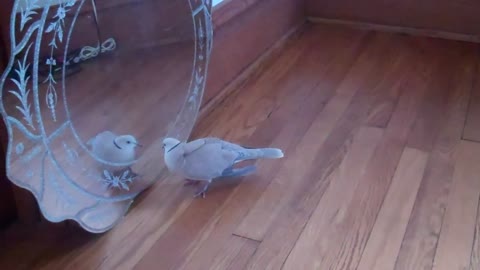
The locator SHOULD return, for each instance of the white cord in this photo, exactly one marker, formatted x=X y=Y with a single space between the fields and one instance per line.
x=88 y=52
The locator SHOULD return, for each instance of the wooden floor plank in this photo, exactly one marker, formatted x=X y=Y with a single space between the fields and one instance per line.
x=454 y=247
x=381 y=112
x=344 y=241
x=257 y=222
x=419 y=245
x=236 y=255
x=331 y=207
x=431 y=117
x=386 y=237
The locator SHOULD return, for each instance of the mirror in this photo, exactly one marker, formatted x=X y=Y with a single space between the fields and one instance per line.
x=90 y=91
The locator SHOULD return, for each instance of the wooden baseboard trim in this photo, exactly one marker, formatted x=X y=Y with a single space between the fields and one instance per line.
x=398 y=29
x=244 y=75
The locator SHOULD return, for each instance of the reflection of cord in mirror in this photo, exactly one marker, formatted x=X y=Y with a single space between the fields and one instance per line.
x=88 y=52
x=77 y=56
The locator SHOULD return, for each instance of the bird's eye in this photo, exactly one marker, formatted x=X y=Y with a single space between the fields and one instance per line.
x=128 y=142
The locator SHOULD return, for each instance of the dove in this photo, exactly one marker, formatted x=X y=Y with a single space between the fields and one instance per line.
x=208 y=159
x=109 y=147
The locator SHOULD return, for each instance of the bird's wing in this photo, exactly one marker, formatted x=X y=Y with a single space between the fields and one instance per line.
x=193 y=146
x=102 y=145
x=102 y=138
x=208 y=161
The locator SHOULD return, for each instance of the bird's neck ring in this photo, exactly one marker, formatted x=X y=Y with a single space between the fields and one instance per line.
x=174 y=147
x=116 y=145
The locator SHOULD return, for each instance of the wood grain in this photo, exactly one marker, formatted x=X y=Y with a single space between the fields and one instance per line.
x=457 y=16
x=347 y=238
x=431 y=118
x=419 y=245
x=299 y=200
x=387 y=234
x=257 y=222
x=240 y=250
x=314 y=239
x=454 y=247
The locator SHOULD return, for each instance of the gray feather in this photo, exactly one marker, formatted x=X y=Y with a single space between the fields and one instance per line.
x=270 y=153
x=231 y=172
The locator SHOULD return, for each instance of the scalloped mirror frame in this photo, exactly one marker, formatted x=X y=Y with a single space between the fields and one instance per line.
x=59 y=197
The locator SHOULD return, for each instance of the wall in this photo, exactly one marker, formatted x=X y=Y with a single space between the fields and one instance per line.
x=456 y=16
x=244 y=30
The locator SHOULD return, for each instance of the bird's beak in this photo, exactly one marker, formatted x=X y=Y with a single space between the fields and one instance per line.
x=139 y=145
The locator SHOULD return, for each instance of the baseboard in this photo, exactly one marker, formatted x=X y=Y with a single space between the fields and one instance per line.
x=258 y=65
x=398 y=29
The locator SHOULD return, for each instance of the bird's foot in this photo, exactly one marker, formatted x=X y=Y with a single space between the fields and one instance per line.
x=189 y=182
x=202 y=192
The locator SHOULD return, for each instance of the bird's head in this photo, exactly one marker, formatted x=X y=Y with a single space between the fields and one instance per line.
x=126 y=142
x=169 y=144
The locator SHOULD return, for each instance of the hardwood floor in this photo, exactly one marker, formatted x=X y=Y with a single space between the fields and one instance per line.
x=381 y=139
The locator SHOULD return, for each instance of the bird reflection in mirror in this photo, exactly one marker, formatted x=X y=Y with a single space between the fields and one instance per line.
x=117 y=149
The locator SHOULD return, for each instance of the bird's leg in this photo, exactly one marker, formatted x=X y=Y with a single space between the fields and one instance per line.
x=189 y=182
x=203 y=191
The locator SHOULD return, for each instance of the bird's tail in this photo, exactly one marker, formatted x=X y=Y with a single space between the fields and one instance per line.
x=231 y=172
x=271 y=153
x=252 y=153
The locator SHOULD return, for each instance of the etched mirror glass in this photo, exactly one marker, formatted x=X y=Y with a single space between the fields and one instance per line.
x=90 y=90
